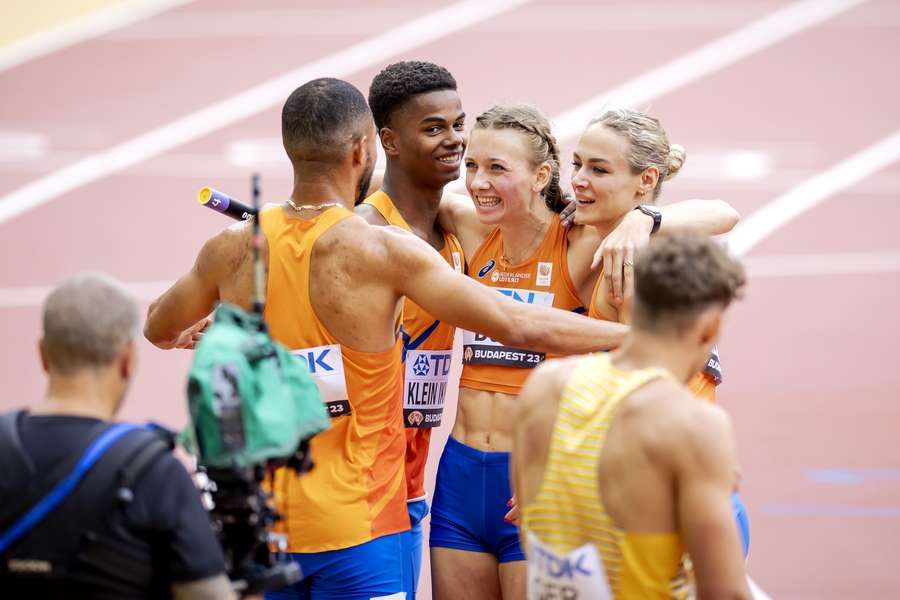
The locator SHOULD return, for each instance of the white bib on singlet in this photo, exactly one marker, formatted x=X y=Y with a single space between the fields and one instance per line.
x=326 y=365
x=578 y=575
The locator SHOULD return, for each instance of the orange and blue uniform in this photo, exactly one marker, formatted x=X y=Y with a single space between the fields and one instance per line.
x=356 y=494
x=427 y=349
x=541 y=279
x=473 y=487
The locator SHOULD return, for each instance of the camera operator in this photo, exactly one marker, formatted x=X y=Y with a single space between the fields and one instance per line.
x=121 y=530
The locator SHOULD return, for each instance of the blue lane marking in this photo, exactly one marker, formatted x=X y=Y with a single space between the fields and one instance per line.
x=852 y=476
x=819 y=510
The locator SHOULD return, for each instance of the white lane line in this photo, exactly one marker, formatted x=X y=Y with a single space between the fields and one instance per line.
x=758 y=593
x=800 y=265
x=81 y=29
x=24 y=297
x=706 y=59
x=375 y=50
x=812 y=192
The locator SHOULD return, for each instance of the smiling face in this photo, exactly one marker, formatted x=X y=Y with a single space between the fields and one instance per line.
x=605 y=186
x=427 y=138
x=500 y=176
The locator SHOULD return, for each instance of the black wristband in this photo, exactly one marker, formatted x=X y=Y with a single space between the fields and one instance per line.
x=651 y=211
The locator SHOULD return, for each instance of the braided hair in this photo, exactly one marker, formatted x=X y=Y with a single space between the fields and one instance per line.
x=544 y=148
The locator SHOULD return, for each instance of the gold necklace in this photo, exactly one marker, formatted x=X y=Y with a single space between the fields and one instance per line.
x=505 y=257
x=296 y=206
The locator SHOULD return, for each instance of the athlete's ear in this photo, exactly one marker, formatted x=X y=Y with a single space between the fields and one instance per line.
x=649 y=178
x=389 y=141
x=359 y=150
x=43 y=354
x=708 y=325
x=542 y=177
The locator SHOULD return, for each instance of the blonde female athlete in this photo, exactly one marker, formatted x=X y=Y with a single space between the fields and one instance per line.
x=620 y=164
x=513 y=241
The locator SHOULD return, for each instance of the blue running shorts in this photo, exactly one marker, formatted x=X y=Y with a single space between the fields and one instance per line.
x=470 y=498
x=412 y=545
x=375 y=569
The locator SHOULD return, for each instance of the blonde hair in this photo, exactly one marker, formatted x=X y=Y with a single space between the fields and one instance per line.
x=544 y=148
x=649 y=144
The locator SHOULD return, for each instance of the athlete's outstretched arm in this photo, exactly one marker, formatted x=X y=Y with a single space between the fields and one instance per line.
x=416 y=270
x=710 y=217
x=705 y=478
x=182 y=308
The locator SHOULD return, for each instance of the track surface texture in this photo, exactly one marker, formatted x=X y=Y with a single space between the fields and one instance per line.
x=810 y=356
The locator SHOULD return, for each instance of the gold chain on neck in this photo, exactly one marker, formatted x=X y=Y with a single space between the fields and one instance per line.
x=296 y=206
x=505 y=257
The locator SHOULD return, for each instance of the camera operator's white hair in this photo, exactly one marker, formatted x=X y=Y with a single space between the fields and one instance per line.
x=89 y=319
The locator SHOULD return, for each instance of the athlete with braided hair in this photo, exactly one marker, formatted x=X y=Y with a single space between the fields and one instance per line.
x=514 y=241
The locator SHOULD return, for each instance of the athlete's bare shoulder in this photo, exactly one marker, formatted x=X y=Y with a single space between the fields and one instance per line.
x=370 y=214
x=544 y=387
x=366 y=252
x=676 y=427
x=224 y=254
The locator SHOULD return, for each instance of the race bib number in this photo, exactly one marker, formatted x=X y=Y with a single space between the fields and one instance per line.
x=479 y=349
x=425 y=387
x=713 y=367
x=326 y=365
x=578 y=575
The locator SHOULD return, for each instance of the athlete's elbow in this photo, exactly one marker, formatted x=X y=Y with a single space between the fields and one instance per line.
x=730 y=217
x=152 y=333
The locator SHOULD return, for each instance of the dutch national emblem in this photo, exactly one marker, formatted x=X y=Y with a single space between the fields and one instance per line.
x=544 y=273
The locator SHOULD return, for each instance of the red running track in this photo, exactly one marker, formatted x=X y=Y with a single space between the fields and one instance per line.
x=810 y=359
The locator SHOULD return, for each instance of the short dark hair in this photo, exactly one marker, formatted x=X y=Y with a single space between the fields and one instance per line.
x=678 y=276
x=321 y=118
x=400 y=82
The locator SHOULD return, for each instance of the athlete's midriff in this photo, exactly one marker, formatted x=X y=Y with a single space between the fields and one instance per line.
x=484 y=420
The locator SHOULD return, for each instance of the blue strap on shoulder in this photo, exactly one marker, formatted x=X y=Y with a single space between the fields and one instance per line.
x=65 y=487
x=413 y=344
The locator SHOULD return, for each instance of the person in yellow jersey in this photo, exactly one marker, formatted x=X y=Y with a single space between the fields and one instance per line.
x=420 y=124
x=335 y=289
x=620 y=164
x=617 y=466
x=516 y=244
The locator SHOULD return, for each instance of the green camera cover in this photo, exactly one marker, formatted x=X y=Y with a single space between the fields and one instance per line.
x=250 y=400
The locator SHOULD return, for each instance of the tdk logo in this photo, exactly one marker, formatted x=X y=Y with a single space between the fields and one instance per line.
x=560 y=568
x=420 y=367
x=487 y=268
x=315 y=360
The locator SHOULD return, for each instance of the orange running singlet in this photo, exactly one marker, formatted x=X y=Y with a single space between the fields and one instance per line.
x=356 y=490
x=427 y=348
x=541 y=279
x=702 y=384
